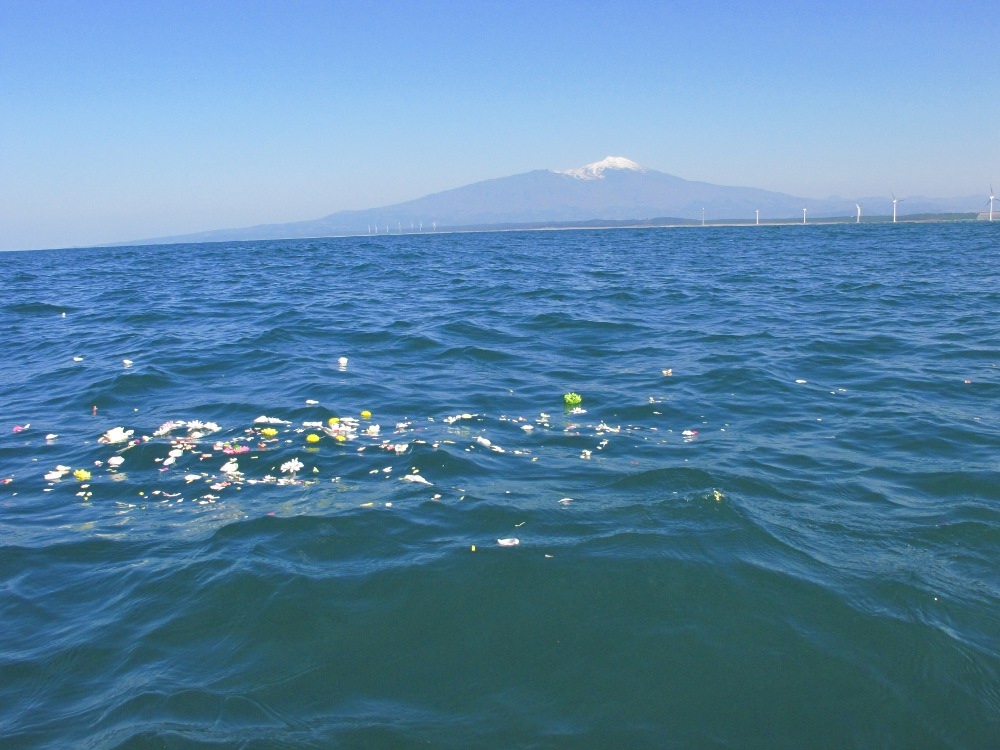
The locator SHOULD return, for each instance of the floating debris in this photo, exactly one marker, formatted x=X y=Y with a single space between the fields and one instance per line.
x=416 y=478
x=115 y=435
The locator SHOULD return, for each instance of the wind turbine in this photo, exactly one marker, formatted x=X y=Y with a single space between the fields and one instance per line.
x=991 y=202
x=895 y=200
x=758 y=215
x=703 y=217
x=858 y=206
x=803 y=216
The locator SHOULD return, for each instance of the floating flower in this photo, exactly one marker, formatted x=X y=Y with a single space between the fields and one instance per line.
x=572 y=399
x=115 y=461
x=290 y=467
x=165 y=428
x=115 y=435
x=416 y=478
x=366 y=414
x=268 y=432
x=230 y=467
x=312 y=438
x=82 y=474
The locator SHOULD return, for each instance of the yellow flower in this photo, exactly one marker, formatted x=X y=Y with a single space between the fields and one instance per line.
x=268 y=432
x=366 y=414
x=82 y=474
x=310 y=438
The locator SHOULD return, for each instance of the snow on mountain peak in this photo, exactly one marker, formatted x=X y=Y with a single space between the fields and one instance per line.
x=596 y=170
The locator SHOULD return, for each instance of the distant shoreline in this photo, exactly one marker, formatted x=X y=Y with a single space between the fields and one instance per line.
x=595 y=224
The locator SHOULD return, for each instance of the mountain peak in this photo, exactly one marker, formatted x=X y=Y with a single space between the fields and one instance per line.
x=596 y=170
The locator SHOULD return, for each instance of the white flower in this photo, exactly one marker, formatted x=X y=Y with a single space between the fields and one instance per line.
x=416 y=478
x=290 y=467
x=166 y=427
x=115 y=435
x=115 y=461
x=230 y=467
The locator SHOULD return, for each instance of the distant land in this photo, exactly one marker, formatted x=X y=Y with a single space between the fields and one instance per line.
x=612 y=192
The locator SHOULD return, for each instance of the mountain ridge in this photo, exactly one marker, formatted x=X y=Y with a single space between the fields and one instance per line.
x=614 y=189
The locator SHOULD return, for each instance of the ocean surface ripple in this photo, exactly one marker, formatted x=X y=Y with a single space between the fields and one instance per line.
x=772 y=522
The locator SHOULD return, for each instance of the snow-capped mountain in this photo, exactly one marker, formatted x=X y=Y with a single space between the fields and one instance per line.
x=595 y=171
x=615 y=189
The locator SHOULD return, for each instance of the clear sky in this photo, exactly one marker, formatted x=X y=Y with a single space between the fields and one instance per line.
x=124 y=120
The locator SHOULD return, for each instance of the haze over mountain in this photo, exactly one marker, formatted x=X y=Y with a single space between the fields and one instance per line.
x=614 y=189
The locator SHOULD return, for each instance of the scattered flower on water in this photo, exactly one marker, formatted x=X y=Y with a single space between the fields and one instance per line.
x=115 y=435
x=290 y=467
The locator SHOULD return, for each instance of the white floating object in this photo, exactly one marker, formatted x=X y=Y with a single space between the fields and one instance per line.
x=566 y=501
x=51 y=436
x=527 y=427
x=801 y=382
x=290 y=467
x=230 y=467
x=483 y=441
x=342 y=361
x=191 y=477
x=416 y=478
x=269 y=420
x=510 y=541
x=116 y=461
x=127 y=362
x=78 y=359
x=311 y=402
x=115 y=435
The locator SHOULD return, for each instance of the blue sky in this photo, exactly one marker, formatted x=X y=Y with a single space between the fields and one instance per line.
x=123 y=120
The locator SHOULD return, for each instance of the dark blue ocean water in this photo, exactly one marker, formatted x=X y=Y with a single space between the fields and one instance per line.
x=790 y=541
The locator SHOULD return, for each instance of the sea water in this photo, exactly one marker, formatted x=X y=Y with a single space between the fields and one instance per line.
x=328 y=493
